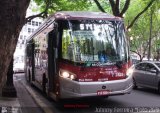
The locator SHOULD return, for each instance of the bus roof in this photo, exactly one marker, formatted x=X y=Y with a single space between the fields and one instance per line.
x=73 y=15
x=83 y=15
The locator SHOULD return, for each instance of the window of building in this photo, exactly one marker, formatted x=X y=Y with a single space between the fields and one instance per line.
x=33 y=23
x=22 y=41
x=40 y=23
x=29 y=30
x=36 y=23
x=29 y=23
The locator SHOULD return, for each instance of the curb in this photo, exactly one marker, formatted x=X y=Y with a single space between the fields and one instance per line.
x=37 y=99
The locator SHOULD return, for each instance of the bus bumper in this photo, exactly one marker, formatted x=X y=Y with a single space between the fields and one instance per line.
x=74 y=89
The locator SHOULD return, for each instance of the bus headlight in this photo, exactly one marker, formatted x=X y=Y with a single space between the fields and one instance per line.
x=66 y=74
x=129 y=72
x=72 y=77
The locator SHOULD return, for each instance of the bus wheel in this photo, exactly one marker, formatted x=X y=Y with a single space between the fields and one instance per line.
x=134 y=84
x=44 y=82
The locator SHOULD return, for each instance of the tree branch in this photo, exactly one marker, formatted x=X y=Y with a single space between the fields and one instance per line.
x=126 y=6
x=112 y=6
x=135 y=52
x=28 y=19
x=99 y=6
x=133 y=21
x=43 y=14
x=117 y=8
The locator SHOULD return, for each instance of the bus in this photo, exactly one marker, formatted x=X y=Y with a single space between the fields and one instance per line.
x=79 y=54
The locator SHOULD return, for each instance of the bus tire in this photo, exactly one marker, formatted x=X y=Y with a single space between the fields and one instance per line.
x=44 y=82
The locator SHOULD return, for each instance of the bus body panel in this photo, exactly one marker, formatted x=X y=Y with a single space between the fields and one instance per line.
x=74 y=89
x=91 y=81
x=103 y=73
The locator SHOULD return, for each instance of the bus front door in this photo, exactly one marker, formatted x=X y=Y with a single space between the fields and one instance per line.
x=52 y=54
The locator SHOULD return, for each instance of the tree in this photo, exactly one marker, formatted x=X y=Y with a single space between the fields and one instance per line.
x=141 y=29
x=12 y=19
x=137 y=16
x=117 y=11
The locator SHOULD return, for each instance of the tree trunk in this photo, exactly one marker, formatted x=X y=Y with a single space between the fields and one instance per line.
x=150 y=35
x=9 y=90
x=12 y=19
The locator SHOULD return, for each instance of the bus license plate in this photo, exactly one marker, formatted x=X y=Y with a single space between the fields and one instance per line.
x=103 y=92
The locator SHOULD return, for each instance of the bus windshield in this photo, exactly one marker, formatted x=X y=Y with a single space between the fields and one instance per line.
x=94 y=42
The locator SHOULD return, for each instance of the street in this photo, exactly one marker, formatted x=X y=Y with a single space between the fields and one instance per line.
x=140 y=100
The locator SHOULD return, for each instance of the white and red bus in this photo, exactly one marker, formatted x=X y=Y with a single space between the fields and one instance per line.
x=79 y=54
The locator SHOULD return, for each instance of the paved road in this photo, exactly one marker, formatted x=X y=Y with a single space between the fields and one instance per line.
x=28 y=105
x=141 y=100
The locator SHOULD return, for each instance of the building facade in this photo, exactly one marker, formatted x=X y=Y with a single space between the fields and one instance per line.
x=26 y=31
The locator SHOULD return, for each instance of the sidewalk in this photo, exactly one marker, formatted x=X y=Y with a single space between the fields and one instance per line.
x=23 y=103
x=27 y=100
x=9 y=105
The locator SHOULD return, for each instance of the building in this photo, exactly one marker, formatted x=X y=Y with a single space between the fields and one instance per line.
x=26 y=31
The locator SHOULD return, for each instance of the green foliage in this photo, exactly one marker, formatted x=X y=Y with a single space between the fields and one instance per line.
x=141 y=28
x=104 y=3
x=63 y=5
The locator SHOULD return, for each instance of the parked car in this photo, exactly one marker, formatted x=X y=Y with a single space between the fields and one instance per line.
x=147 y=74
x=18 y=67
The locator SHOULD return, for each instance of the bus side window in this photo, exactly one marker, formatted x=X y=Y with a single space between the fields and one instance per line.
x=29 y=49
x=29 y=54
